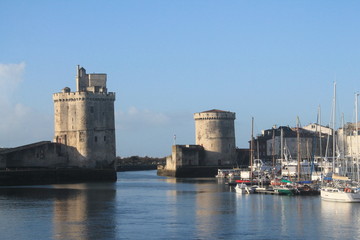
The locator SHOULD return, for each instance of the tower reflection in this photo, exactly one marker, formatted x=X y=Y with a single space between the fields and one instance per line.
x=84 y=211
x=210 y=207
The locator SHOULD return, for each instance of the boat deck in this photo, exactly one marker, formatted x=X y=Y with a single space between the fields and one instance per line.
x=272 y=192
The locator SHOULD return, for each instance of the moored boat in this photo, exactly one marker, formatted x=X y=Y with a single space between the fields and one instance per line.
x=286 y=190
x=242 y=188
x=337 y=194
x=228 y=173
x=340 y=188
x=308 y=190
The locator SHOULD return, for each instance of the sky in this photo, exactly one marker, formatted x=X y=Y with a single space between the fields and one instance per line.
x=166 y=60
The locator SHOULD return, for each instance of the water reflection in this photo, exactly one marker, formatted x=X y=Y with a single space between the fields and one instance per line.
x=277 y=217
x=215 y=212
x=209 y=206
x=86 y=213
x=342 y=217
x=142 y=205
x=212 y=211
x=72 y=211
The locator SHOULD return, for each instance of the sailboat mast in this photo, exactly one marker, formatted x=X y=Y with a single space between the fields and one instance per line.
x=282 y=145
x=333 y=126
x=320 y=147
x=252 y=147
x=320 y=142
x=357 y=136
x=343 y=135
x=273 y=147
x=298 y=149
x=342 y=153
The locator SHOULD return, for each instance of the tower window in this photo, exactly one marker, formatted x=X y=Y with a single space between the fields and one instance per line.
x=95 y=138
x=104 y=138
x=92 y=109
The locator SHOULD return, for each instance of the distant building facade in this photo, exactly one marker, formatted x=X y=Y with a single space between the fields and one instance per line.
x=317 y=128
x=349 y=140
x=267 y=146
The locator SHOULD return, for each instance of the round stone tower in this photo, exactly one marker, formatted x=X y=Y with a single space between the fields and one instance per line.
x=84 y=122
x=215 y=131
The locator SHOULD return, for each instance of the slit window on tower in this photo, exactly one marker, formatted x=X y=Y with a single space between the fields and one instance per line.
x=92 y=109
x=104 y=138
x=95 y=138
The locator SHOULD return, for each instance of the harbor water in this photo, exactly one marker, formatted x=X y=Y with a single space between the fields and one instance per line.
x=142 y=205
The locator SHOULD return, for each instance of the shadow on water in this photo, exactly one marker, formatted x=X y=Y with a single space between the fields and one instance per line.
x=68 y=211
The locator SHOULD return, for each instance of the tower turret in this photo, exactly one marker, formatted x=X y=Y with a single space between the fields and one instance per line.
x=215 y=132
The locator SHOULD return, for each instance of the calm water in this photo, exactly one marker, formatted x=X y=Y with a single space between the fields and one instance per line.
x=141 y=205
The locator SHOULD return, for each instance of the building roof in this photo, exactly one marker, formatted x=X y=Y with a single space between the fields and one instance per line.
x=215 y=110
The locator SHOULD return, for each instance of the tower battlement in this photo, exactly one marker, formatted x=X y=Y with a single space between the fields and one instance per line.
x=83 y=96
x=214 y=114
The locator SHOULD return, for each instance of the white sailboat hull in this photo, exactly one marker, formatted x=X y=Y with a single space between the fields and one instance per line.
x=336 y=195
x=242 y=189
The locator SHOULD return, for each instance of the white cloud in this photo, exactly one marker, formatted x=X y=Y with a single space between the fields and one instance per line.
x=11 y=75
x=20 y=124
x=10 y=78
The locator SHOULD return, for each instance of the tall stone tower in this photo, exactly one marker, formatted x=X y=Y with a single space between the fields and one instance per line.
x=215 y=132
x=84 y=121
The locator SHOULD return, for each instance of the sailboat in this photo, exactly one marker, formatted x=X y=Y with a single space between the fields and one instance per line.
x=339 y=188
x=241 y=187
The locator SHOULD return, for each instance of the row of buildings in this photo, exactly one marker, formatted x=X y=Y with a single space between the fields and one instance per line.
x=311 y=141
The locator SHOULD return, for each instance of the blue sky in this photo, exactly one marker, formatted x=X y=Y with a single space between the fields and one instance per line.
x=166 y=60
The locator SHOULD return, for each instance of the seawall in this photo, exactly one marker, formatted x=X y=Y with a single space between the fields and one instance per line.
x=124 y=168
x=190 y=172
x=55 y=176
